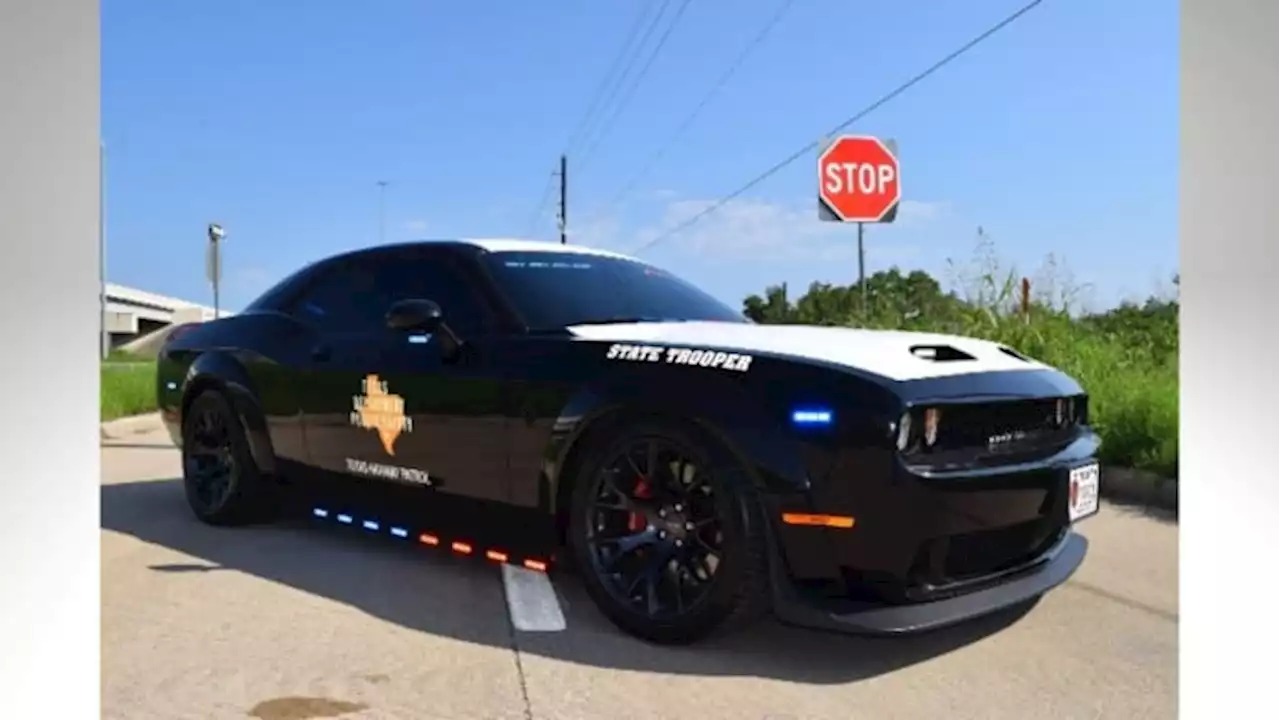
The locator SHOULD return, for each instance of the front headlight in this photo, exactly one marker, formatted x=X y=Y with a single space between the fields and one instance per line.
x=904 y=431
x=932 y=417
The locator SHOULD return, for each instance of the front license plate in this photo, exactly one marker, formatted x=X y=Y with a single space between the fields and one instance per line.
x=1082 y=492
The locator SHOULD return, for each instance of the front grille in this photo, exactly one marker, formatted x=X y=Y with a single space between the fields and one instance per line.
x=995 y=433
x=979 y=426
x=952 y=565
x=991 y=551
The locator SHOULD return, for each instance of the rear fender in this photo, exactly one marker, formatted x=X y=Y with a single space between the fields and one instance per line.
x=223 y=371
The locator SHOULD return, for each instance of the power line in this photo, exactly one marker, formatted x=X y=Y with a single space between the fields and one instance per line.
x=613 y=68
x=635 y=84
x=537 y=213
x=837 y=129
x=633 y=54
x=624 y=58
x=702 y=105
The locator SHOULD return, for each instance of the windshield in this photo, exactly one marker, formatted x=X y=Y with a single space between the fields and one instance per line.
x=555 y=290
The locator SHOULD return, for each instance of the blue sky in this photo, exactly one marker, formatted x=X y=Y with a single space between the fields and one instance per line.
x=1056 y=136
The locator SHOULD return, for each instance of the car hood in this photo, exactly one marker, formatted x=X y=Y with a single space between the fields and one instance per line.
x=885 y=353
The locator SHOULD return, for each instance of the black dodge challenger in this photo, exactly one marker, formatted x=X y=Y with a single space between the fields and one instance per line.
x=536 y=403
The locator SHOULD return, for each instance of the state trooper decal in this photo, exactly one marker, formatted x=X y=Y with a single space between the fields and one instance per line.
x=679 y=356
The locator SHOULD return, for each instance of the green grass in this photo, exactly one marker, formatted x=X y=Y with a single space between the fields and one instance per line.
x=128 y=389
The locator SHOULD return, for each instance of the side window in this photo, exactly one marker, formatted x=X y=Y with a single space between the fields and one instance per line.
x=354 y=297
x=439 y=280
x=347 y=298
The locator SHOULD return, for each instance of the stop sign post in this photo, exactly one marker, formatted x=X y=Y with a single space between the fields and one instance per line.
x=859 y=182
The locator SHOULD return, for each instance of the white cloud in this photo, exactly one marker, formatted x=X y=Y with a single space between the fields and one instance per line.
x=914 y=213
x=600 y=231
x=779 y=231
x=415 y=226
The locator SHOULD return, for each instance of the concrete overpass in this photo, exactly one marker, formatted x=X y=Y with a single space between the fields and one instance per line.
x=131 y=314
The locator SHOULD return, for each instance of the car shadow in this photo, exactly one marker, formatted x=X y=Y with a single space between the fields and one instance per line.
x=388 y=579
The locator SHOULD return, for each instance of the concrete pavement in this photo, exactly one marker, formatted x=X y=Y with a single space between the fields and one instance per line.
x=297 y=621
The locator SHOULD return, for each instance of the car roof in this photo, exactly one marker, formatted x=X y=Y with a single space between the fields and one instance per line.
x=492 y=245
x=496 y=245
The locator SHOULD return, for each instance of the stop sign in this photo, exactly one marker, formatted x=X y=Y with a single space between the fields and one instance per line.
x=858 y=179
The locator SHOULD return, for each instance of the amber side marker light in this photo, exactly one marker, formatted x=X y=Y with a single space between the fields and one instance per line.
x=536 y=565
x=461 y=547
x=832 y=521
x=428 y=539
x=496 y=556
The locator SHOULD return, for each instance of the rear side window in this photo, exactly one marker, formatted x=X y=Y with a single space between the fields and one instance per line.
x=354 y=297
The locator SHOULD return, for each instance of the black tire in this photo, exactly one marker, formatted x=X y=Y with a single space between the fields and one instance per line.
x=223 y=484
x=722 y=598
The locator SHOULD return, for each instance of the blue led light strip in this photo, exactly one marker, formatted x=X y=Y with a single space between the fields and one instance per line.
x=811 y=417
x=400 y=532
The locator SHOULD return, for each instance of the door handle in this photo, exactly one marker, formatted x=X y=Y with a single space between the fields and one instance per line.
x=320 y=353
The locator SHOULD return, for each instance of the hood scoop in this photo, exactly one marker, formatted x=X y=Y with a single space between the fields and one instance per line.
x=940 y=353
x=1014 y=354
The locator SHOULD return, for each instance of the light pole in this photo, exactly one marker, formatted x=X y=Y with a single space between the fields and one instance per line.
x=382 y=212
x=214 y=263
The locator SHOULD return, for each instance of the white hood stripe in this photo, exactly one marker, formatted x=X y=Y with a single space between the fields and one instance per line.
x=885 y=353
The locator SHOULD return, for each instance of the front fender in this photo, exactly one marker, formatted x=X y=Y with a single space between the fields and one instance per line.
x=746 y=426
x=224 y=371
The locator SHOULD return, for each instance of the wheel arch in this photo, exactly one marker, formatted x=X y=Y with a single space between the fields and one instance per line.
x=223 y=372
x=722 y=411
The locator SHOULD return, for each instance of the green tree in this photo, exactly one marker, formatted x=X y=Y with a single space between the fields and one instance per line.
x=892 y=298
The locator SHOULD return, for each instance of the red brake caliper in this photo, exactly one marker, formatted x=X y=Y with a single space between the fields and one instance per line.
x=636 y=521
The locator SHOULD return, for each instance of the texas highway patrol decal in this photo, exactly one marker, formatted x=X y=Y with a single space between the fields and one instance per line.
x=377 y=409
x=412 y=476
x=679 y=356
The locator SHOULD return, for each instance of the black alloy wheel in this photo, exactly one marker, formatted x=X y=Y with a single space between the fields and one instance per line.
x=222 y=483
x=209 y=464
x=653 y=531
x=660 y=530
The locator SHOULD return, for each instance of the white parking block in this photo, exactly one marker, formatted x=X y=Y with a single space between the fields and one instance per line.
x=531 y=600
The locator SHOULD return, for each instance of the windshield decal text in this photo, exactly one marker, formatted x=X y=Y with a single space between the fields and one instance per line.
x=679 y=356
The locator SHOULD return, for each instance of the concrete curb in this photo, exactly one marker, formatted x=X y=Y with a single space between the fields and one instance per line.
x=133 y=425
x=1140 y=487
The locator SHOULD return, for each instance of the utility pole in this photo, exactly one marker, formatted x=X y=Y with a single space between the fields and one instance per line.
x=862 y=272
x=382 y=211
x=564 y=188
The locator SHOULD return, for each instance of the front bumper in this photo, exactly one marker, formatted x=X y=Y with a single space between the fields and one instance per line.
x=1048 y=571
x=926 y=551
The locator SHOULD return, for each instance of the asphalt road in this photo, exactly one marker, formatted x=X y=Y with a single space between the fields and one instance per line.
x=296 y=621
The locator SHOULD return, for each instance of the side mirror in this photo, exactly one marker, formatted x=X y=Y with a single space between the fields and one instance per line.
x=422 y=315
x=425 y=316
